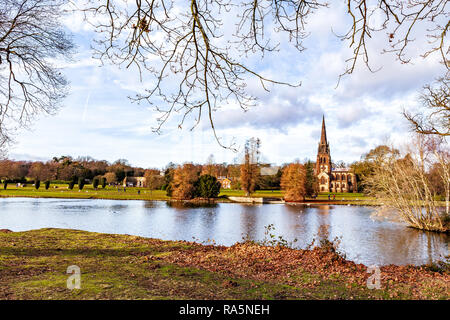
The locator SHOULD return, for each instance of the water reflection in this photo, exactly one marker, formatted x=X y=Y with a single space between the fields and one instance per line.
x=363 y=239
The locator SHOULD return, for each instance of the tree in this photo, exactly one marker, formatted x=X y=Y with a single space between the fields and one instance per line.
x=202 y=55
x=95 y=183
x=80 y=183
x=103 y=182
x=249 y=169
x=153 y=180
x=168 y=178
x=110 y=177
x=207 y=186
x=435 y=115
x=401 y=182
x=5 y=184
x=293 y=182
x=47 y=184
x=31 y=37
x=183 y=184
x=366 y=166
x=71 y=185
x=37 y=183
x=210 y=167
x=311 y=183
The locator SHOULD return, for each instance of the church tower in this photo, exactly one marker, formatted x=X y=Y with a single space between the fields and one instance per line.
x=323 y=163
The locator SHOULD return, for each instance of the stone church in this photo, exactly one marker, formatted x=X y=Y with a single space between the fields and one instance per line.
x=332 y=179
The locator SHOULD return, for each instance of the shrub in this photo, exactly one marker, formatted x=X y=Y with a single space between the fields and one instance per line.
x=80 y=183
x=37 y=183
x=71 y=184
x=95 y=183
x=5 y=184
x=103 y=183
x=47 y=184
x=207 y=186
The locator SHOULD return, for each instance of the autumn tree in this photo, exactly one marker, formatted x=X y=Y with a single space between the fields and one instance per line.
x=110 y=177
x=249 y=167
x=366 y=166
x=184 y=179
x=153 y=179
x=31 y=38
x=210 y=167
x=293 y=182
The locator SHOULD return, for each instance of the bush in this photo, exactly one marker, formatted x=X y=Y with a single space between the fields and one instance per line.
x=207 y=186
x=95 y=183
x=103 y=183
x=47 y=184
x=71 y=184
x=37 y=183
x=5 y=184
x=80 y=183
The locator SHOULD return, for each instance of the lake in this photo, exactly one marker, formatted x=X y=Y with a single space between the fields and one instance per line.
x=363 y=238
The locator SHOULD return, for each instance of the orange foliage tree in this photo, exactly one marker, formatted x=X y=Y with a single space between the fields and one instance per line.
x=293 y=182
x=183 y=184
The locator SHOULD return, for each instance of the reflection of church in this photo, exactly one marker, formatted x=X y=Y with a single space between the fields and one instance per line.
x=332 y=179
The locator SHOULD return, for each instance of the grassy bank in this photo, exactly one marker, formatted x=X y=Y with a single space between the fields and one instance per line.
x=88 y=192
x=33 y=265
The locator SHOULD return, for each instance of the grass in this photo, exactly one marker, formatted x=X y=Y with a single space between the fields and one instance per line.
x=33 y=265
x=131 y=193
x=88 y=192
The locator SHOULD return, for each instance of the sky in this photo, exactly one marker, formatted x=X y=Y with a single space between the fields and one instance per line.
x=97 y=118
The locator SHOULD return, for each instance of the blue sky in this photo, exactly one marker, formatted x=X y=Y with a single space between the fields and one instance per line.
x=98 y=119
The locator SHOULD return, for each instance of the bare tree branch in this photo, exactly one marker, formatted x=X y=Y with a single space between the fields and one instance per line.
x=31 y=38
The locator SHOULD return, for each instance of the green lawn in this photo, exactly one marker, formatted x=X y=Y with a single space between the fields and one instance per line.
x=88 y=192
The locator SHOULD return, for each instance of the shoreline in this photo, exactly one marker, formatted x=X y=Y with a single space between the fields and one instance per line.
x=33 y=266
x=193 y=201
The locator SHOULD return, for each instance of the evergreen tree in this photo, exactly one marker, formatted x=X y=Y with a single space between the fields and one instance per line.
x=5 y=184
x=80 y=183
x=95 y=183
x=311 y=183
x=207 y=186
x=47 y=184
x=37 y=183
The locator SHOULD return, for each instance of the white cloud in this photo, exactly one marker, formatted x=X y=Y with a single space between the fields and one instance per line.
x=360 y=112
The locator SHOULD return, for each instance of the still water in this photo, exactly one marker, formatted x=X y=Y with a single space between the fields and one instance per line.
x=362 y=238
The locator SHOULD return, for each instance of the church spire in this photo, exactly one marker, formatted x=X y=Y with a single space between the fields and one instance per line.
x=323 y=137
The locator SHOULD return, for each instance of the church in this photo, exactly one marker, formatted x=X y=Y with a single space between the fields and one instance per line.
x=332 y=179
